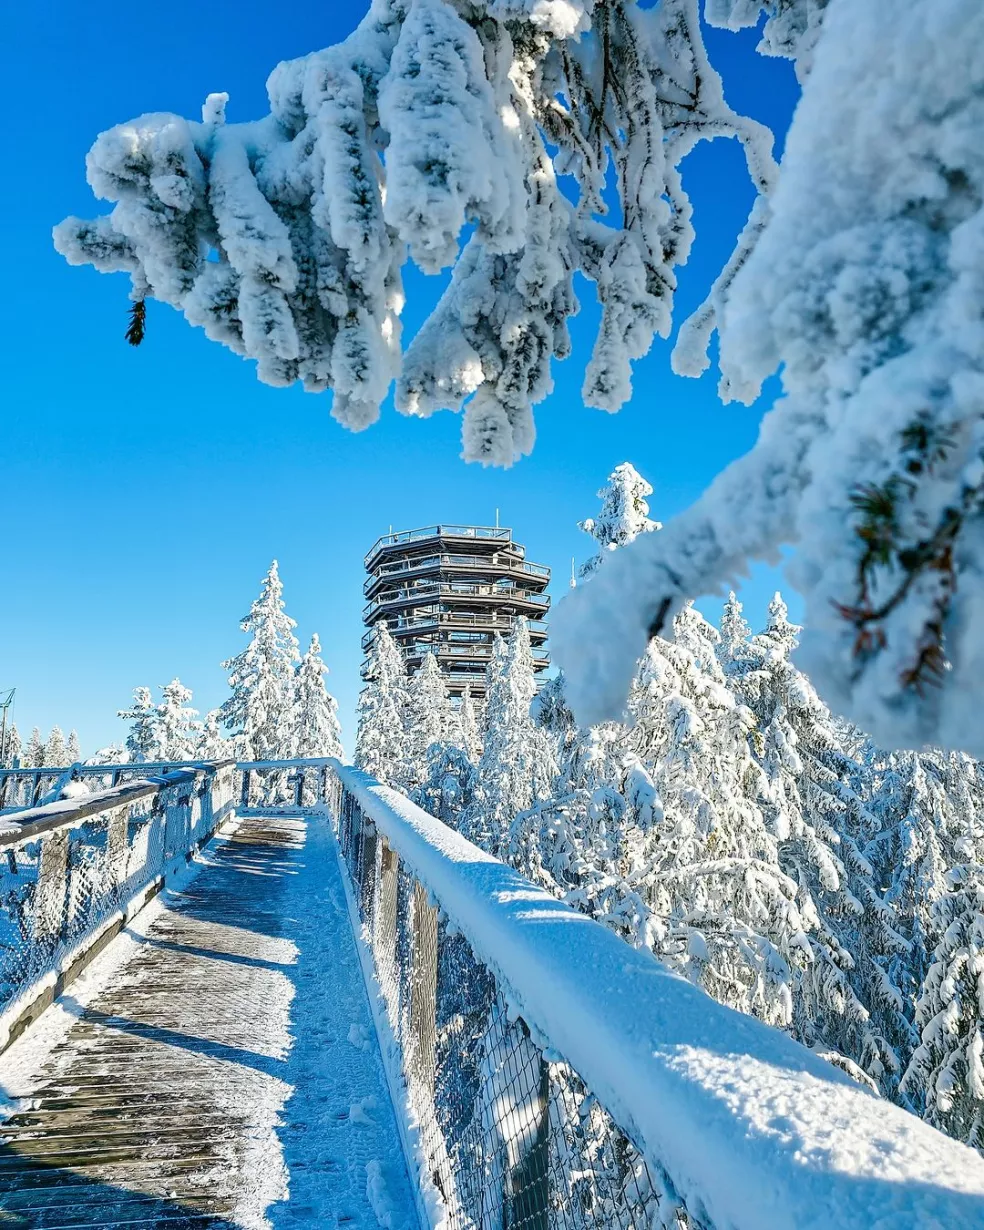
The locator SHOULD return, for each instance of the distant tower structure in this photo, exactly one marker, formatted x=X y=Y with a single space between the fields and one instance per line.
x=447 y=590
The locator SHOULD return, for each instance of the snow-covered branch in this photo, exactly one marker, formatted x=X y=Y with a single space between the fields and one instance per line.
x=865 y=286
x=545 y=136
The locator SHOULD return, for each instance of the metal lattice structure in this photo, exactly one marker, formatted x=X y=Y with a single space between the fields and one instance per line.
x=511 y=1136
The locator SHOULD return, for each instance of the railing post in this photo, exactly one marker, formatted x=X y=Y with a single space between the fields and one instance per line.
x=384 y=935
x=297 y=779
x=367 y=870
x=244 y=795
x=116 y=844
x=423 y=990
x=52 y=888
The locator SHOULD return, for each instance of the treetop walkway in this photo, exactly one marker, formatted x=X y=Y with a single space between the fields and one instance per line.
x=280 y=994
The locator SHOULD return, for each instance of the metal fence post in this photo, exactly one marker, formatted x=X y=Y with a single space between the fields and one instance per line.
x=367 y=870
x=116 y=844
x=52 y=888
x=384 y=937
x=423 y=990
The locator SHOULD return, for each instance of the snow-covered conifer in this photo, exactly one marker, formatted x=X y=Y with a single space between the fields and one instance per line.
x=847 y=1000
x=733 y=650
x=214 y=745
x=260 y=712
x=518 y=764
x=34 y=750
x=178 y=731
x=430 y=720
x=448 y=787
x=382 y=710
x=143 y=742
x=624 y=514
x=12 y=750
x=471 y=739
x=316 y=732
x=55 y=751
x=946 y=1075
x=73 y=751
x=721 y=908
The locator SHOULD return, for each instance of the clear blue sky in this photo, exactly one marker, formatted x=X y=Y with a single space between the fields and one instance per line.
x=146 y=491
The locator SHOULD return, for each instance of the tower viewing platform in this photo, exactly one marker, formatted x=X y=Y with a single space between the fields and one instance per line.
x=447 y=590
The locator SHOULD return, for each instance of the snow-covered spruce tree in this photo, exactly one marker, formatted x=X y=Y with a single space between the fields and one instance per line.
x=55 y=749
x=316 y=729
x=431 y=721
x=624 y=514
x=214 y=745
x=382 y=711
x=13 y=748
x=847 y=1003
x=179 y=732
x=946 y=1075
x=722 y=909
x=284 y=238
x=260 y=712
x=518 y=764
x=916 y=838
x=73 y=751
x=143 y=741
x=468 y=718
x=34 y=750
x=448 y=789
x=733 y=650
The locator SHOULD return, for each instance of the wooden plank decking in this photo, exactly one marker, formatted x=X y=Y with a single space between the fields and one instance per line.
x=227 y=1063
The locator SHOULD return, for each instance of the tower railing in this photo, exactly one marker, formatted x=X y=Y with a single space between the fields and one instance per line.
x=557 y=1079
x=438 y=531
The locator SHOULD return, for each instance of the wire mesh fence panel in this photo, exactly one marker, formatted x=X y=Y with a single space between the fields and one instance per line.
x=509 y=1137
x=59 y=887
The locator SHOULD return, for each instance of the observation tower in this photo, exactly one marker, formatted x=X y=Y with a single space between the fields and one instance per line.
x=447 y=590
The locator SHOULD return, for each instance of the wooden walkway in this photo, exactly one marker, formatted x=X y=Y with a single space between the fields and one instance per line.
x=224 y=1074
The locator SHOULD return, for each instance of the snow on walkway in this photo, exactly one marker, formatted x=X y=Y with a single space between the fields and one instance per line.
x=217 y=1066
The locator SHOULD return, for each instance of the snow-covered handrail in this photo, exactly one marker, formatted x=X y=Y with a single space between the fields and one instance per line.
x=744 y=1127
x=65 y=813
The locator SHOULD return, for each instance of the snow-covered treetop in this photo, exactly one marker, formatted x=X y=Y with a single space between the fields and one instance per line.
x=284 y=238
x=624 y=513
x=260 y=710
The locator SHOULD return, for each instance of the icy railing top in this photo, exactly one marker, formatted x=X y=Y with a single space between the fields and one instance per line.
x=33 y=822
x=753 y=1130
x=436 y=531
